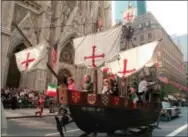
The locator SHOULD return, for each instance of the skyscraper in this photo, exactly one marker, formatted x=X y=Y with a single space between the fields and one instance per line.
x=118 y=7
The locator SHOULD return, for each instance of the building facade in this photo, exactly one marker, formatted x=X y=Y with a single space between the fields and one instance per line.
x=148 y=29
x=186 y=71
x=181 y=41
x=118 y=7
x=53 y=21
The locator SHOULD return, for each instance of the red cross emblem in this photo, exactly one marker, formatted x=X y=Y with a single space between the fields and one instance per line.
x=27 y=61
x=75 y=96
x=94 y=56
x=125 y=71
x=128 y=16
x=116 y=101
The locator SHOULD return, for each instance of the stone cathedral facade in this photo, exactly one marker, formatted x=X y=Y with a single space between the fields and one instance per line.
x=54 y=21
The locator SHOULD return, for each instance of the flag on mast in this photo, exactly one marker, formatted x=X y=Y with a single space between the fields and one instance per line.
x=32 y=58
x=51 y=90
x=129 y=14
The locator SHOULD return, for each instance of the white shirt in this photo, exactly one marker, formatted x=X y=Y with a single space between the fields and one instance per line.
x=104 y=89
x=142 y=87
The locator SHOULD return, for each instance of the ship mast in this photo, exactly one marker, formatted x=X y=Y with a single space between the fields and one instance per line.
x=128 y=32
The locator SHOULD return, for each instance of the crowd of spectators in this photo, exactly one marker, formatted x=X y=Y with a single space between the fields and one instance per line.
x=21 y=98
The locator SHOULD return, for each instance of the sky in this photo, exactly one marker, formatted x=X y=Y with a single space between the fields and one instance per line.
x=172 y=15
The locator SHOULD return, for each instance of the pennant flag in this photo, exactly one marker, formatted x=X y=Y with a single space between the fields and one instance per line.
x=52 y=90
x=54 y=54
x=32 y=58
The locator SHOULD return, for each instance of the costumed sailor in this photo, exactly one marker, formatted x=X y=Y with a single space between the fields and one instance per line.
x=87 y=85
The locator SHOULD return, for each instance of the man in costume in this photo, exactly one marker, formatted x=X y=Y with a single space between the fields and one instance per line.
x=87 y=85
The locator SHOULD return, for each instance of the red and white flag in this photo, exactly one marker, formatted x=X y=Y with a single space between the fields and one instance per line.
x=32 y=58
x=129 y=15
x=54 y=55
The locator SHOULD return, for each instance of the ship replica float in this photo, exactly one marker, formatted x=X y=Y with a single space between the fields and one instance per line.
x=100 y=113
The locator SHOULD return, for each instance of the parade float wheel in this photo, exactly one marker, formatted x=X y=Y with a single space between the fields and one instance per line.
x=111 y=133
x=148 y=133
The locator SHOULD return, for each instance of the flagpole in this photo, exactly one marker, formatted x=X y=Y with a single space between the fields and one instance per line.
x=30 y=44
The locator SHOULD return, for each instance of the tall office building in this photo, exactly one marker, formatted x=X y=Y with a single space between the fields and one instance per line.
x=118 y=7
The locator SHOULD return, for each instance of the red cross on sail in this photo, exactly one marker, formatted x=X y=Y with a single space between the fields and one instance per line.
x=125 y=71
x=27 y=61
x=95 y=49
x=133 y=60
x=93 y=57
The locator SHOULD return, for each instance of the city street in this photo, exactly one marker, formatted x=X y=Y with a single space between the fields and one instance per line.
x=45 y=126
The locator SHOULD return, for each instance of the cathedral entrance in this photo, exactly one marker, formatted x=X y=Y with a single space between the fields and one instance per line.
x=13 y=77
x=64 y=73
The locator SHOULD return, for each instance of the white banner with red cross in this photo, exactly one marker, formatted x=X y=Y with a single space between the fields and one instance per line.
x=133 y=60
x=95 y=49
x=129 y=15
x=32 y=58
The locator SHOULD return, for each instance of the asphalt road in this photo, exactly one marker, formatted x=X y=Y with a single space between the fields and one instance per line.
x=45 y=126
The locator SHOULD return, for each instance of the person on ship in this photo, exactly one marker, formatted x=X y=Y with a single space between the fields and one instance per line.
x=41 y=105
x=143 y=88
x=87 y=84
x=71 y=84
x=106 y=87
x=133 y=95
x=113 y=84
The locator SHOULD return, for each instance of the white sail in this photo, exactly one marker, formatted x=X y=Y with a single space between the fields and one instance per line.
x=133 y=60
x=103 y=46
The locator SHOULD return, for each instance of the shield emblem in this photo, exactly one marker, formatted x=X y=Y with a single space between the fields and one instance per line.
x=76 y=96
x=91 y=98
x=105 y=99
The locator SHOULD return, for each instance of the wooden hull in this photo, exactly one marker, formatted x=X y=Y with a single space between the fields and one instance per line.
x=111 y=119
x=101 y=118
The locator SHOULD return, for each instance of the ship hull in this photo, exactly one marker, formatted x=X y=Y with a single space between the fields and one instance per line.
x=92 y=119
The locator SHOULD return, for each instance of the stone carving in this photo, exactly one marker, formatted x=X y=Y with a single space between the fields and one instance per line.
x=26 y=26
x=19 y=14
x=66 y=55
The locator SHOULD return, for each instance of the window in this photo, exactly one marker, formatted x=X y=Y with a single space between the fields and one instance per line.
x=149 y=36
